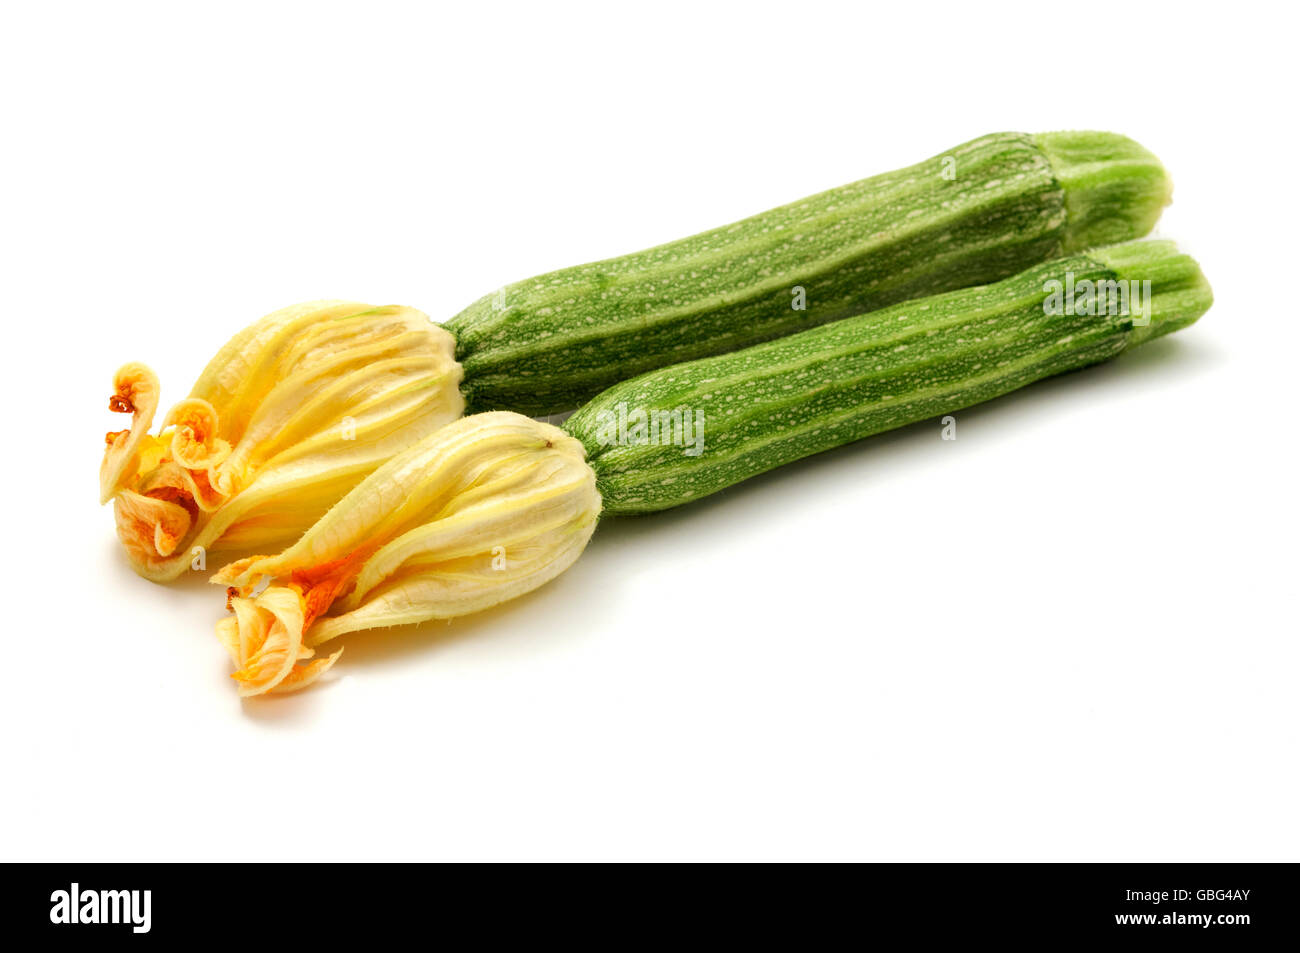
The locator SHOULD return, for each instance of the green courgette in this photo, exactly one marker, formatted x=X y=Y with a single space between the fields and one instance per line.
x=979 y=212
x=683 y=432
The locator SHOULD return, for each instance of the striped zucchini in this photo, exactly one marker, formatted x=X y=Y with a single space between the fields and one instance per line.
x=683 y=432
x=979 y=212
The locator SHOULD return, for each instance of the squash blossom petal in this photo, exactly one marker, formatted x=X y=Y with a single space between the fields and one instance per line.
x=289 y=416
x=484 y=510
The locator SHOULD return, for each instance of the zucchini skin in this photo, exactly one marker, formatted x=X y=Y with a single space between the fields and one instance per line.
x=777 y=402
x=976 y=213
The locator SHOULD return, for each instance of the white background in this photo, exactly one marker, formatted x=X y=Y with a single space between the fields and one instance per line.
x=1069 y=634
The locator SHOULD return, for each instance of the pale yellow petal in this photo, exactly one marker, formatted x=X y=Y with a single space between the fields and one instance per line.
x=228 y=636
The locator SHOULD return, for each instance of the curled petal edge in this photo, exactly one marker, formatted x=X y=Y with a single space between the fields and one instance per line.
x=135 y=392
x=264 y=638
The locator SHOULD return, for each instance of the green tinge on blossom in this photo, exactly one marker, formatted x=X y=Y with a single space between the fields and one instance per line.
x=288 y=417
x=484 y=510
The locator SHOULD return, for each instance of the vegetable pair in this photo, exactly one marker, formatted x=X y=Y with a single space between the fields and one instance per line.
x=299 y=407
x=339 y=424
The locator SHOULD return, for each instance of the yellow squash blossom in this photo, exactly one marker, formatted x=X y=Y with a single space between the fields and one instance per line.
x=484 y=510
x=288 y=417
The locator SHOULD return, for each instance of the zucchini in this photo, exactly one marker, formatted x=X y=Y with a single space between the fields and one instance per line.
x=768 y=405
x=982 y=211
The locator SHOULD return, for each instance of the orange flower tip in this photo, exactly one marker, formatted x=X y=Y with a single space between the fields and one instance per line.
x=120 y=404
